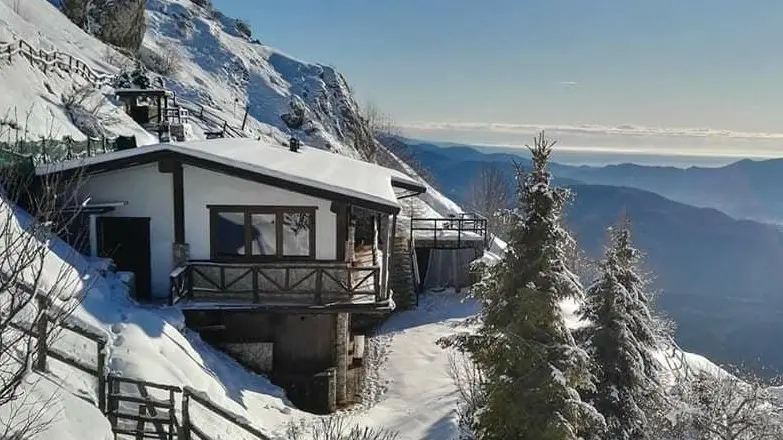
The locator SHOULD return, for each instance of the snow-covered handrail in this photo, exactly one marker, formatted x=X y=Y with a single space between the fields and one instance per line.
x=71 y=64
x=204 y=400
x=55 y=59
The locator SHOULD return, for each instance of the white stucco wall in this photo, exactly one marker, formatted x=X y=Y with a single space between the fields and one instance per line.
x=203 y=187
x=149 y=194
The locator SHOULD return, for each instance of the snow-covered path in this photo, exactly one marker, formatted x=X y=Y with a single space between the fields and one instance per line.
x=420 y=398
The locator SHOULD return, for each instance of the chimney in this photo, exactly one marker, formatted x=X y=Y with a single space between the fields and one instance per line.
x=293 y=144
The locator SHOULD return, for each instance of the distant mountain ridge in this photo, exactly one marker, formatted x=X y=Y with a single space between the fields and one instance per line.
x=745 y=189
x=720 y=277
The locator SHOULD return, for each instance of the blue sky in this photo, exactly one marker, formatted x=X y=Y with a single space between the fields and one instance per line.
x=659 y=64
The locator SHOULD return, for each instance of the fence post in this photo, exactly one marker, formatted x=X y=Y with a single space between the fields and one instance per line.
x=89 y=144
x=172 y=416
x=244 y=120
x=114 y=405
x=10 y=54
x=102 y=390
x=42 y=329
x=185 y=415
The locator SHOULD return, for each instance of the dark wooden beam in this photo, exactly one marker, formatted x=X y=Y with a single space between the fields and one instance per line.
x=178 y=181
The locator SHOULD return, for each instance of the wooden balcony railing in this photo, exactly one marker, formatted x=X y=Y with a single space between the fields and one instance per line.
x=451 y=232
x=305 y=283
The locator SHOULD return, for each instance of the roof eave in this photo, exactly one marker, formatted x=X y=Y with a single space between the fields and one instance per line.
x=164 y=153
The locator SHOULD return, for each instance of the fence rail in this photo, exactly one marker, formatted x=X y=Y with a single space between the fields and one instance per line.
x=306 y=282
x=55 y=59
x=192 y=431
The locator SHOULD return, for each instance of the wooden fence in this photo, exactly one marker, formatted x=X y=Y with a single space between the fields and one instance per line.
x=55 y=60
x=45 y=350
x=112 y=399
x=46 y=60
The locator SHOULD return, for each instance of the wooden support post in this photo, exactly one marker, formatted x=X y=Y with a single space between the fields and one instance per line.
x=254 y=275
x=244 y=119
x=319 y=286
x=114 y=404
x=386 y=228
x=172 y=416
x=42 y=330
x=186 y=415
x=102 y=390
x=342 y=330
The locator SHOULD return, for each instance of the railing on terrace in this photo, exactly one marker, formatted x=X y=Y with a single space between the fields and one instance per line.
x=451 y=232
x=286 y=283
x=52 y=150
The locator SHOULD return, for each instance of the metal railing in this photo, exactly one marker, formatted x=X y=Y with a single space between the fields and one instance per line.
x=454 y=231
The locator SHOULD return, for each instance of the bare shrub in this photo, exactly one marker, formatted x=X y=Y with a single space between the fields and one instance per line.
x=469 y=381
x=719 y=406
x=88 y=111
x=117 y=58
x=32 y=289
x=490 y=193
x=335 y=428
x=167 y=61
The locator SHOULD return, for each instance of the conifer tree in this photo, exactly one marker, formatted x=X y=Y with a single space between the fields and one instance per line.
x=533 y=370
x=620 y=339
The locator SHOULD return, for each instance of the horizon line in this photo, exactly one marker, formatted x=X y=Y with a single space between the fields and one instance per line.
x=588 y=129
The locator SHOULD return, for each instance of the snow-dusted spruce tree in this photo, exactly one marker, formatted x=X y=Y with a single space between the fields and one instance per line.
x=533 y=370
x=620 y=339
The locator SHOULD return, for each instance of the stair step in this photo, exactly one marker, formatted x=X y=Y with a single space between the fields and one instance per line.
x=149 y=400
x=143 y=434
x=162 y=419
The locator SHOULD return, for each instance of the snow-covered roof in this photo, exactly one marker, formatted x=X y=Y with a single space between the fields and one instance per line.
x=309 y=167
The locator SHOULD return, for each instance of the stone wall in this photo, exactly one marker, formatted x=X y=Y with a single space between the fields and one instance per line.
x=258 y=356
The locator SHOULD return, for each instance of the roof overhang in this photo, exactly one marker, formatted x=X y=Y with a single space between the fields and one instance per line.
x=162 y=154
x=410 y=188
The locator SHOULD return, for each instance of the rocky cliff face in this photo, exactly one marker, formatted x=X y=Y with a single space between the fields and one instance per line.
x=120 y=23
x=225 y=69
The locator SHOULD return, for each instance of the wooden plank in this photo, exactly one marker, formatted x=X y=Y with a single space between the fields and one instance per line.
x=227 y=415
x=144 y=383
x=120 y=415
x=148 y=401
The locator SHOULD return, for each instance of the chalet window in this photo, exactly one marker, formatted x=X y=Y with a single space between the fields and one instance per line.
x=248 y=233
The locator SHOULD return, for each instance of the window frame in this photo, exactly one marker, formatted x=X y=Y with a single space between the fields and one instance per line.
x=248 y=211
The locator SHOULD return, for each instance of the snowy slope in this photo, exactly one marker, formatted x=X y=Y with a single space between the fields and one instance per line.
x=227 y=71
x=34 y=99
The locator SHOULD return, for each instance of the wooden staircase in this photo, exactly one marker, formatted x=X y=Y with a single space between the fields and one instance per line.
x=142 y=410
x=402 y=279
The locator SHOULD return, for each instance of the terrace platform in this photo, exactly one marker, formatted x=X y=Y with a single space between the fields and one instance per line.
x=307 y=287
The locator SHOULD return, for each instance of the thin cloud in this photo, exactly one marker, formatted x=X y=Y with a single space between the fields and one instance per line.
x=620 y=130
x=568 y=83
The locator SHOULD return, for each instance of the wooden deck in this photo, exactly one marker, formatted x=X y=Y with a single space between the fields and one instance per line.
x=293 y=285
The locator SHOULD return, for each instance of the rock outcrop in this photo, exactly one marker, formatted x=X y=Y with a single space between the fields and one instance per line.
x=120 y=23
